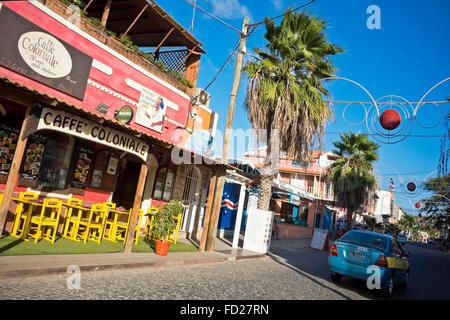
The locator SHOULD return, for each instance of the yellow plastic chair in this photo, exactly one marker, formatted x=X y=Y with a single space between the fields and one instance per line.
x=23 y=211
x=122 y=225
x=149 y=221
x=92 y=227
x=46 y=223
x=72 y=218
x=1 y=198
x=110 y=222
x=138 y=227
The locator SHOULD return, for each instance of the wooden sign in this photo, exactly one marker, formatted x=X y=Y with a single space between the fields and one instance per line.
x=320 y=239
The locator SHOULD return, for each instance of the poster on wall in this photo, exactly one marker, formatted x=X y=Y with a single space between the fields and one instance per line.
x=33 y=156
x=82 y=168
x=8 y=143
x=112 y=165
x=258 y=231
x=97 y=177
x=152 y=109
x=36 y=54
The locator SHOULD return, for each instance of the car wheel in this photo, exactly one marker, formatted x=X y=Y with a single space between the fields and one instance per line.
x=336 y=276
x=389 y=290
x=404 y=284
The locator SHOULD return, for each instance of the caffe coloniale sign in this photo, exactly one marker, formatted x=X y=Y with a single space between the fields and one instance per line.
x=85 y=129
x=31 y=51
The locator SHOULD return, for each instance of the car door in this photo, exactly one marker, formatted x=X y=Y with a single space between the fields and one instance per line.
x=399 y=263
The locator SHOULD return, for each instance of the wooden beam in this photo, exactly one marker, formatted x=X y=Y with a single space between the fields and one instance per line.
x=87 y=6
x=106 y=12
x=135 y=20
x=136 y=207
x=162 y=41
x=13 y=173
x=209 y=202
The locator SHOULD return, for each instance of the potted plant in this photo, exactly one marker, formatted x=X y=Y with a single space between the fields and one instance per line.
x=164 y=223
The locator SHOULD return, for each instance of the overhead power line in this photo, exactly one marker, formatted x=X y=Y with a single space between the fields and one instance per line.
x=213 y=16
x=281 y=15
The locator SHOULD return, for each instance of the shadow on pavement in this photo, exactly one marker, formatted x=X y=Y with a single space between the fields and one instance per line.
x=297 y=255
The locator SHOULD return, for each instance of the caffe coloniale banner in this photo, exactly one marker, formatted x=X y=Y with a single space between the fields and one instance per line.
x=36 y=54
x=71 y=124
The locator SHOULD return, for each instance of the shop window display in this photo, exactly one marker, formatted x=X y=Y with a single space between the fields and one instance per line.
x=165 y=178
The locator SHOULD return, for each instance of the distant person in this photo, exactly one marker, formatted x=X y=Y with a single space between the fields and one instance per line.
x=339 y=228
x=276 y=231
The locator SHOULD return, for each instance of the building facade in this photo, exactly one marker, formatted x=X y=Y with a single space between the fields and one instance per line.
x=88 y=115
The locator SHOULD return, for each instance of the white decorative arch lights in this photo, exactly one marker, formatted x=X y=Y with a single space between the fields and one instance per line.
x=402 y=109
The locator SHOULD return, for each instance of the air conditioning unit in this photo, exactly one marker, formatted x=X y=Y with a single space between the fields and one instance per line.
x=203 y=97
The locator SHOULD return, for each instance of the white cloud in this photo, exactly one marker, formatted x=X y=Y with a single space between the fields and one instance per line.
x=231 y=8
x=278 y=4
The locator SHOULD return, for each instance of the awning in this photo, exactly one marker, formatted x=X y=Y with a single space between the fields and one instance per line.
x=293 y=189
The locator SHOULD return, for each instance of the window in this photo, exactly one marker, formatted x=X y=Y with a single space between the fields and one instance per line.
x=396 y=248
x=164 y=181
x=46 y=162
x=55 y=164
x=105 y=170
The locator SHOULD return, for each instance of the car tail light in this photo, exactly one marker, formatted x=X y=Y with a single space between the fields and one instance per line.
x=381 y=261
x=334 y=251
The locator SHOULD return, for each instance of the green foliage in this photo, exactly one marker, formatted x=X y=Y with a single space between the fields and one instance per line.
x=352 y=173
x=165 y=220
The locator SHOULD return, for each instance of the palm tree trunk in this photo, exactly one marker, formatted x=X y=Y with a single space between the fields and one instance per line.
x=265 y=192
x=349 y=218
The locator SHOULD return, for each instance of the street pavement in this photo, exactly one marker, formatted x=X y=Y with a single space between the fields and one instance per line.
x=291 y=271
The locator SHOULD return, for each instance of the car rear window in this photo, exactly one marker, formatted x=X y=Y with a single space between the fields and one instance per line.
x=365 y=240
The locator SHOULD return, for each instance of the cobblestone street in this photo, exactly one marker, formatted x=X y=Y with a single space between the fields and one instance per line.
x=282 y=275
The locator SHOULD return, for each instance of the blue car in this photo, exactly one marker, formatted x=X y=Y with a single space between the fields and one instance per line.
x=401 y=238
x=356 y=251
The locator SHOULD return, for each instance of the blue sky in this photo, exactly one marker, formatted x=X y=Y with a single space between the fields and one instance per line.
x=406 y=57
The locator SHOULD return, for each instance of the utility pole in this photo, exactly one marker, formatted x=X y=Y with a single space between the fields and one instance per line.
x=212 y=230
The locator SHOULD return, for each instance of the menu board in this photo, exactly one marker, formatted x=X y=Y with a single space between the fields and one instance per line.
x=33 y=156
x=319 y=240
x=258 y=230
x=8 y=143
x=82 y=167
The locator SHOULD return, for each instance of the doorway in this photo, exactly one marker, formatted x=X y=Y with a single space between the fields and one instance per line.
x=191 y=195
x=126 y=186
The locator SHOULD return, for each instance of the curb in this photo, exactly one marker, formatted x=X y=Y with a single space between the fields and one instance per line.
x=28 y=273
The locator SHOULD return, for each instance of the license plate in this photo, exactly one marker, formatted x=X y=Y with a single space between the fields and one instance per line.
x=356 y=254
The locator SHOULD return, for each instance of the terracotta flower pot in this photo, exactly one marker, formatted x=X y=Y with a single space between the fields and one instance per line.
x=162 y=248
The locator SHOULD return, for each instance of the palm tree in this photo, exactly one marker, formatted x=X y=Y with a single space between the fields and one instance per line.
x=352 y=174
x=407 y=223
x=285 y=92
x=438 y=204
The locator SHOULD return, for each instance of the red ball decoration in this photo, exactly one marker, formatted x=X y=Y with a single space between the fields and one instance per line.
x=411 y=186
x=390 y=119
x=419 y=213
x=417 y=204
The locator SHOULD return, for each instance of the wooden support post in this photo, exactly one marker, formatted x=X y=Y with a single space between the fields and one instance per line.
x=212 y=229
x=209 y=203
x=106 y=12
x=162 y=41
x=13 y=173
x=226 y=141
x=135 y=20
x=136 y=207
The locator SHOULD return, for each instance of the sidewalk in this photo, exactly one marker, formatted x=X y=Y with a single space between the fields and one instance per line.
x=39 y=265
